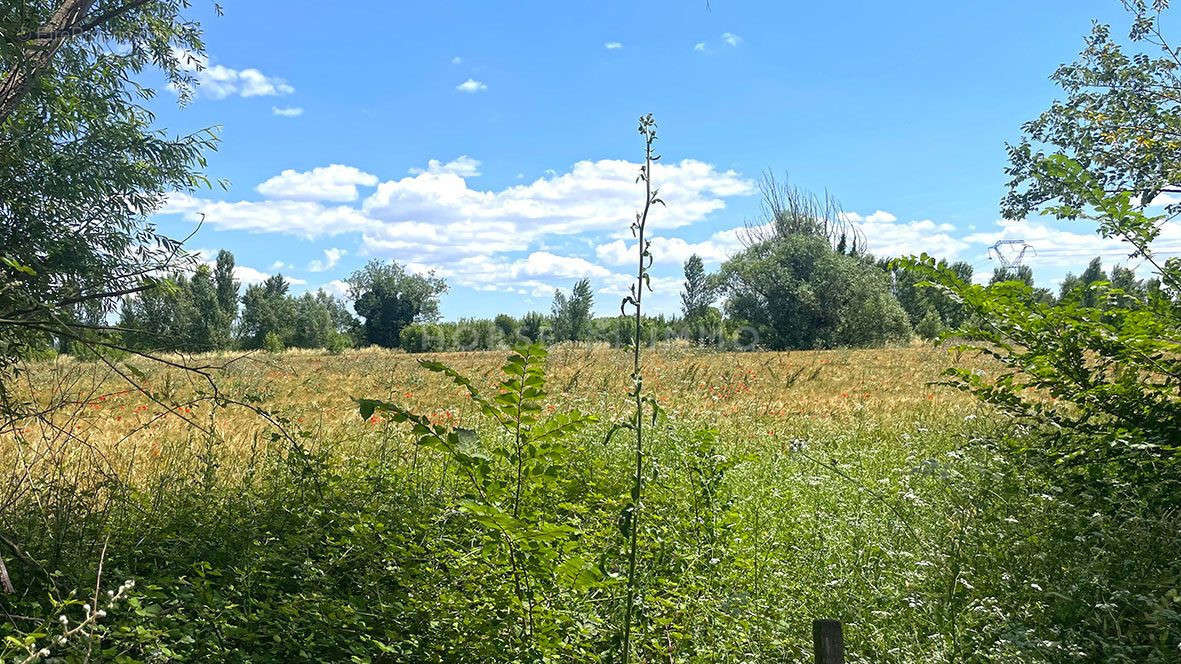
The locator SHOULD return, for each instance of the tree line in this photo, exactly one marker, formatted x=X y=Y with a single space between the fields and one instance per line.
x=788 y=289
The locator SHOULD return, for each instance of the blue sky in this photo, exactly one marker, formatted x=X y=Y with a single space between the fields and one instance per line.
x=495 y=142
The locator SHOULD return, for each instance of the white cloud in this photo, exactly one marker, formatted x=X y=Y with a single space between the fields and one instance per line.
x=331 y=258
x=250 y=276
x=334 y=182
x=305 y=219
x=731 y=38
x=886 y=236
x=287 y=111
x=219 y=81
x=613 y=45
x=675 y=250
x=537 y=274
x=1059 y=248
x=593 y=196
x=463 y=166
x=280 y=265
x=483 y=238
x=878 y=217
x=699 y=47
x=456 y=60
x=471 y=86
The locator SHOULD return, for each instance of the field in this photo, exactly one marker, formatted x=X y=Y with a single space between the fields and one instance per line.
x=274 y=523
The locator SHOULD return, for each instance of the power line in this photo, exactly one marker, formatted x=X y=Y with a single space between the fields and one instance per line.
x=1009 y=253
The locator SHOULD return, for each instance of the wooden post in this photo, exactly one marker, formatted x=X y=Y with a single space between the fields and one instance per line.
x=828 y=642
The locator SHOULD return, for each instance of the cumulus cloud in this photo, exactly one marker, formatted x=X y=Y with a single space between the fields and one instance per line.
x=878 y=217
x=886 y=236
x=495 y=239
x=731 y=39
x=1060 y=248
x=592 y=196
x=537 y=274
x=334 y=182
x=287 y=112
x=613 y=45
x=675 y=250
x=699 y=47
x=306 y=219
x=331 y=258
x=471 y=86
x=219 y=81
x=249 y=276
x=463 y=166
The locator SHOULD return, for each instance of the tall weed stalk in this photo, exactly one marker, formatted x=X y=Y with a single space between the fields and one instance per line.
x=647 y=129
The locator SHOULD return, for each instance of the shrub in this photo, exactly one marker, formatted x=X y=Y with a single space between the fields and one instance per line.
x=797 y=292
x=930 y=326
x=428 y=337
x=477 y=334
x=272 y=342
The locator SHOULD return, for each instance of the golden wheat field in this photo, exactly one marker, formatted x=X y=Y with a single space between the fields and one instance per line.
x=131 y=414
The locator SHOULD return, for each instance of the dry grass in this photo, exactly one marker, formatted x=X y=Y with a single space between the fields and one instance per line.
x=745 y=395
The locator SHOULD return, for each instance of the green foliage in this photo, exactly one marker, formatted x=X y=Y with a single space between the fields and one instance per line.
x=478 y=334
x=702 y=321
x=509 y=475
x=930 y=327
x=534 y=326
x=510 y=328
x=570 y=317
x=83 y=165
x=1099 y=371
x=919 y=303
x=796 y=292
x=272 y=342
x=267 y=310
x=1022 y=273
x=427 y=337
x=389 y=298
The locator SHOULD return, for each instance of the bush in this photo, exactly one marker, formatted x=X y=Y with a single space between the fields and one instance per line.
x=797 y=292
x=930 y=326
x=272 y=342
x=338 y=342
x=477 y=334
x=428 y=338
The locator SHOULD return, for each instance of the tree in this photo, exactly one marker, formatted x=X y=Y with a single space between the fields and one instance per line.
x=797 y=292
x=267 y=310
x=560 y=316
x=508 y=326
x=581 y=303
x=789 y=210
x=702 y=320
x=1022 y=273
x=533 y=326
x=82 y=165
x=570 y=317
x=1103 y=154
x=313 y=326
x=227 y=295
x=205 y=320
x=695 y=295
x=1125 y=280
x=389 y=298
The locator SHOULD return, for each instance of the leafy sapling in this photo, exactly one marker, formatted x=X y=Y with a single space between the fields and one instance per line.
x=508 y=475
